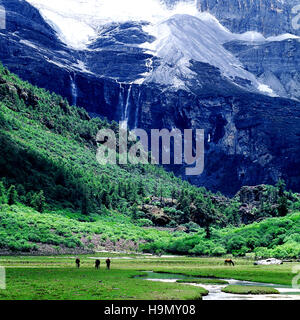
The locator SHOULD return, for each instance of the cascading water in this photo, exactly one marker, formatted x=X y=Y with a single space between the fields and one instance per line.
x=137 y=111
x=121 y=99
x=127 y=105
x=74 y=90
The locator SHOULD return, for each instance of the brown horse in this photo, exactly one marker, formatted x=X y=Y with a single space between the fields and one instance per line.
x=229 y=262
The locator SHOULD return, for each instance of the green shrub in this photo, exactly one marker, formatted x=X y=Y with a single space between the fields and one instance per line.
x=144 y=223
x=218 y=251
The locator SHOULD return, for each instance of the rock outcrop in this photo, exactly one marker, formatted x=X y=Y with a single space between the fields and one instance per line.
x=275 y=63
x=270 y=17
x=156 y=215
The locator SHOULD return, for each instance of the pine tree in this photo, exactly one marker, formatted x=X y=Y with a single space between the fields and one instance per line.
x=12 y=195
x=38 y=201
x=3 y=194
x=21 y=191
x=155 y=190
x=283 y=206
x=41 y=201
x=135 y=211
x=161 y=193
x=85 y=205
x=114 y=197
x=281 y=185
x=282 y=198
x=141 y=188
x=107 y=199
x=29 y=197
x=174 y=194
x=204 y=214
x=184 y=203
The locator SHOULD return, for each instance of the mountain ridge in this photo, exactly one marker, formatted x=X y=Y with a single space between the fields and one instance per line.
x=242 y=126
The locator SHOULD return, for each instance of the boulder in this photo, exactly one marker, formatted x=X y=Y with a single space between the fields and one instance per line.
x=156 y=215
x=181 y=229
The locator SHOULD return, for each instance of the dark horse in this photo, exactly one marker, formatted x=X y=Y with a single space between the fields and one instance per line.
x=107 y=263
x=97 y=264
x=229 y=262
x=77 y=262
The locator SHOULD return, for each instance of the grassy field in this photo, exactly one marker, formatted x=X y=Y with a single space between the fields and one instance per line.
x=56 y=277
x=89 y=284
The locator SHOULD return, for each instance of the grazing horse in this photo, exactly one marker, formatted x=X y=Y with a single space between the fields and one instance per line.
x=229 y=262
x=107 y=263
x=77 y=262
x=97 y=264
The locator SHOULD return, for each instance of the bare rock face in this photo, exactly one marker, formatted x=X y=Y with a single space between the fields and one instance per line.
x=251 y=194
x=267 y=16
x=253 y=198
x=156 y=215
x=275 y=63
x=267 y=262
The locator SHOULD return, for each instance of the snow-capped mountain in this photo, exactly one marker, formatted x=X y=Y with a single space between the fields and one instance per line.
x=217 y=65
x=180 y=33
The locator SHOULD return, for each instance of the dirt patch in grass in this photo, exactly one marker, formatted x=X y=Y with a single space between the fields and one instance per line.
x=97 y=243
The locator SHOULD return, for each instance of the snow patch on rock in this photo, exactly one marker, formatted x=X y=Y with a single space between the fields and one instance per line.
x=182 y=34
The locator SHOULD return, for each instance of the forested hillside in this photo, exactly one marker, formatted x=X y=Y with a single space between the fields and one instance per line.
x=51 y=181
x=50 y=161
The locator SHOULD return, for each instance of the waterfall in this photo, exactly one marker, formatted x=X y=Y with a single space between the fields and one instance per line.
x=121 y=104
x=121 y=101
x=124 y=106
x=126 y=110
x=74 y=91
x=137 y=111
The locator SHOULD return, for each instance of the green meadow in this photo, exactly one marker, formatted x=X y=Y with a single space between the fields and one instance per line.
x=57 y=278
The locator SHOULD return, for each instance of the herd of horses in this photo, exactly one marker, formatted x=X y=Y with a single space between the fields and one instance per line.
x=97 y=263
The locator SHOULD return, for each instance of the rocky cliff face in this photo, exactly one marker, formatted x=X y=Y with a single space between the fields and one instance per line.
x=276 y=63
x=270 y=17
x=250 y=139
x=197 y=75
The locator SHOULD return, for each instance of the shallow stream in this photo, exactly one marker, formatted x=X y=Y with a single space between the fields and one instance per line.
x=215 y=291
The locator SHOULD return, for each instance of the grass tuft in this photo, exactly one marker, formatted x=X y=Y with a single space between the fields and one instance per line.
x=235 y=289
